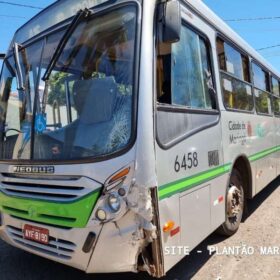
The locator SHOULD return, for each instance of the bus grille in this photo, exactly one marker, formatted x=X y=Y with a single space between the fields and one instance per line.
x=50 y=188
x=57 y=247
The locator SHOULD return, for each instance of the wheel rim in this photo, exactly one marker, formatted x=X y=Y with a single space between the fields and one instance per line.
x=235 y=203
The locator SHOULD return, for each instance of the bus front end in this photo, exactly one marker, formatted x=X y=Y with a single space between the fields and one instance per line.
x=75 y=184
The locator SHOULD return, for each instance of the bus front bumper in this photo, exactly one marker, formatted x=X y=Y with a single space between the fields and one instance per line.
x=115 y=249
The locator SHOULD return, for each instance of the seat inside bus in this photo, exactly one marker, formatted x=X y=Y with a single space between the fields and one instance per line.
x=102 y=110
x=95 y=99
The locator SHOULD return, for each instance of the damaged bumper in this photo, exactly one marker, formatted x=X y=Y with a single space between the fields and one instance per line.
x=117 y=245
x=114 y=241
x=115 y=249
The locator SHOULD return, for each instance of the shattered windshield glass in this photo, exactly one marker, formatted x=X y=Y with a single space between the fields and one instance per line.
x=84 y=109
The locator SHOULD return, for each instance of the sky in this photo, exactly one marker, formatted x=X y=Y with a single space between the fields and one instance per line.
x=258 y=33
x=12 y=17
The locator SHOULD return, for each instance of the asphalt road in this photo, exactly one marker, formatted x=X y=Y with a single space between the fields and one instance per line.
x=261 y=228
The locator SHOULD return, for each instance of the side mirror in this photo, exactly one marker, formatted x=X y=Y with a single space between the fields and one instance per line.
x=169 y=20
x=2 y=56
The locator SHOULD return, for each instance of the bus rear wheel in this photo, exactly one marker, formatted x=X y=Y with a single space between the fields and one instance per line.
x=234 y=205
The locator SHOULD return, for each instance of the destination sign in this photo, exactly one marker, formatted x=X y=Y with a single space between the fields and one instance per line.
x=58 y=12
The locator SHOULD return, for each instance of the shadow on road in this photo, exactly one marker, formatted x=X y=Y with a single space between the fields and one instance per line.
x=256 y=202
x=16 y=264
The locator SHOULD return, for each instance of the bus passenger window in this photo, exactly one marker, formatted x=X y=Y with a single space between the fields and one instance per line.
x=275 y=90
x=275 y=86
x=261 y=78
x=231 y=61
x=235 y=77
x=276 y=106
x=184 y=73
x=262 y=88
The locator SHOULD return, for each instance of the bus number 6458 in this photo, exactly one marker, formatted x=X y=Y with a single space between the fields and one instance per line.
x=189 y=161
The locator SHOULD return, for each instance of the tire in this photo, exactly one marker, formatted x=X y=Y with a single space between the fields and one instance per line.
x=235 y=201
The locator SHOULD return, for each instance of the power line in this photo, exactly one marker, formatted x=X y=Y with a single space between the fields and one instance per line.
x=21 y=5
x=253 y=29
x=272 y=55
x=259 y=32
x=270 y=47
x=275 y=55
x=8 y=16
x=252 y=19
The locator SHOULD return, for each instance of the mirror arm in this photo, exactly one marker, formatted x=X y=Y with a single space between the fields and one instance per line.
x=212 y=93
x=18 y=68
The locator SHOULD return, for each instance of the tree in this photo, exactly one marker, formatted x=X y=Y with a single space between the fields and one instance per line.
x=57 y=91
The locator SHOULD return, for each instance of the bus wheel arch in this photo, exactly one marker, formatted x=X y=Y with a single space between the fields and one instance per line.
x=242 y=164
x=238 y=190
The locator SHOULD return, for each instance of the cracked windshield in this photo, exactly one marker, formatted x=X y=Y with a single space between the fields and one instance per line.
x=84 y=109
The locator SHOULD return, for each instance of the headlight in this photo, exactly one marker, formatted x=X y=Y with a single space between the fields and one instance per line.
x=114 y=202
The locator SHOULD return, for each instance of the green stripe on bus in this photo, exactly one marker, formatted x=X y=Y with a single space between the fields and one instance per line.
x=69 y=214
x=192 y=181
x=200 y=178
x=264 y=153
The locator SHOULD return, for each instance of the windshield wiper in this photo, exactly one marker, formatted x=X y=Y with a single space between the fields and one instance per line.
x=80 y=16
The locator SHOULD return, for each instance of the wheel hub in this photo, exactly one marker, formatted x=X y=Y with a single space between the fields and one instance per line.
x=234 y=201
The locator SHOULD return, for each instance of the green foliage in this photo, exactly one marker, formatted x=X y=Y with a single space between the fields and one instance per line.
x=57 y=88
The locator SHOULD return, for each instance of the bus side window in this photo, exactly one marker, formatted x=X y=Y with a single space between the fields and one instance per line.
x=184 y=73
x=275 y=90
x=235 y=77
x=276 y=106
x=261 y=90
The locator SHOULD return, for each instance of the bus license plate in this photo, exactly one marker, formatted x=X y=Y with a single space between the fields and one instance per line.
x=40 y=235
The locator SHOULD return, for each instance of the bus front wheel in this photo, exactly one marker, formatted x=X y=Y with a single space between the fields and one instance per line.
x=234 y=205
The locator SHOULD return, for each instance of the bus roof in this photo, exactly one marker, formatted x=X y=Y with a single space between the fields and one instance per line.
x=62 y=10
x=59 y=11
x=224 y=29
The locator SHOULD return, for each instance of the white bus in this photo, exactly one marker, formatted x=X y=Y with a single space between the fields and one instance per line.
x=129 y=127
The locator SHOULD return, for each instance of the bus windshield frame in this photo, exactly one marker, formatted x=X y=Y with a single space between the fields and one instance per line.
x=35 y=125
